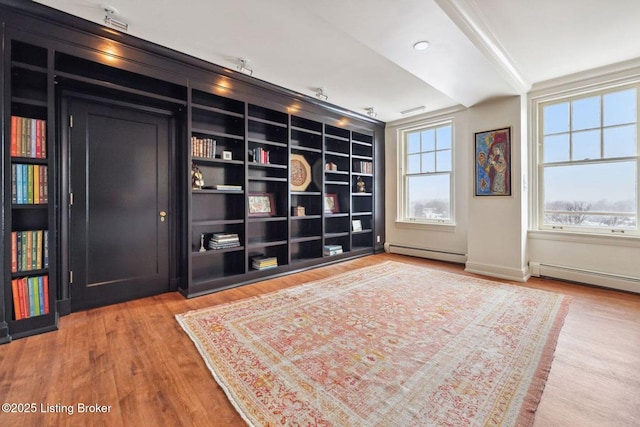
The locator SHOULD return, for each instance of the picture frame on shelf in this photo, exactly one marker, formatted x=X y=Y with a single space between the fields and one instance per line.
x=356 y=225
x=227 y=155
x=331 y=203
x=261 y=204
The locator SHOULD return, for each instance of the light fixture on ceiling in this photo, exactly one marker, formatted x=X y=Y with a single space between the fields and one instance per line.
x=421 y=45
x=321 y=95
x=413 y=110
x=371 y=112
x=243 y=68
x=111 y=21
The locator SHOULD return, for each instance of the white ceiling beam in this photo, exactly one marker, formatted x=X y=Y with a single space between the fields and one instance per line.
x=468 y=17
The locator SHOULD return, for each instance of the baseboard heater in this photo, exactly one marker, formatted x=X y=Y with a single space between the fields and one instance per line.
x=598 y=278
x=425 y=253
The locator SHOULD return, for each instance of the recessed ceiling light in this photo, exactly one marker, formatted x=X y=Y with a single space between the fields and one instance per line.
x=421 y=45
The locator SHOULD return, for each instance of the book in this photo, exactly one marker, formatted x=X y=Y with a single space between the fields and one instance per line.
x=262 y=262
x=45 y=287
x=24 y=297
x=17 y=309
x=333 y=252
x=31 y=297
x=14 y=251
x=228 y=187
x=14 y=136
x=40 y=295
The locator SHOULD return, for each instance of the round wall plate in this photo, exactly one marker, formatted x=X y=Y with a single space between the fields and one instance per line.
x=300 y=173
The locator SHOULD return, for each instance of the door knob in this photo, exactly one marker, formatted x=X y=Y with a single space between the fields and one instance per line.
x=163 y=214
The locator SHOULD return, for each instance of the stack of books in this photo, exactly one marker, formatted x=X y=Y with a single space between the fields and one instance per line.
x=228 y=187
x=264 y=263
x=224 y=241
x=332 y=250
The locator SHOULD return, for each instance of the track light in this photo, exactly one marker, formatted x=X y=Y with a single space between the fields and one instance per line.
x=320 y=94
x=111 y=21
x=371 y=112
x=242 y=67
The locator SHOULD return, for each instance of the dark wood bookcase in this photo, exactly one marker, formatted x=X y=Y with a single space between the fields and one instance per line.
x=263 y=141
x=30 y=217
x=241 y=134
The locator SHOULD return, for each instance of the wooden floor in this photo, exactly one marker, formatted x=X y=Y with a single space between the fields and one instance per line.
x=134 y=360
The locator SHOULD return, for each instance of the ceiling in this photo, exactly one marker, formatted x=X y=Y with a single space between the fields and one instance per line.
x=360 y=51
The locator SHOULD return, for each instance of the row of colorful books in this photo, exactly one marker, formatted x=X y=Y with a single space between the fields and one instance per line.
x=262 y=262
x=29 y=250
x=28 y=137
x=224 y=241
x=363 y=166
x=29 y=184
x=260 y=155
x=332 y=250
x=203 y=147
x=30 y=296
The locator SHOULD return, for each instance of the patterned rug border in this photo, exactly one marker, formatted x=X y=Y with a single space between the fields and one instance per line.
x=534 y=393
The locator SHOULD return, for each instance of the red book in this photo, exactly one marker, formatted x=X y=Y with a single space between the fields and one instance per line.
x=45 y=285
x=23 y=294
x=38 y=139
x=14 y=136
x=16 y=299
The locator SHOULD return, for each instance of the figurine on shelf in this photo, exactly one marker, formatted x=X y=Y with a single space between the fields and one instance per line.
x=202 y=248
x=360 y=185
x=197 y=179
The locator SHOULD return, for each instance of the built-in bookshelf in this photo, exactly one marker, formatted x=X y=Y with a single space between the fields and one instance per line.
x=292 y=192
x=30 y=285
x=217 y=153
x=362 y=191
x=250 y=167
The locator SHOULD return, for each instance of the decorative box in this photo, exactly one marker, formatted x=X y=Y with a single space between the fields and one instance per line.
x=298 y=211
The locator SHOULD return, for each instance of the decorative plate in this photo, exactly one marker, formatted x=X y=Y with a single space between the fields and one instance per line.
x=300 y=172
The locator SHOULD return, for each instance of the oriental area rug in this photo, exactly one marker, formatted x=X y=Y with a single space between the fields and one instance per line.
x=387 y=345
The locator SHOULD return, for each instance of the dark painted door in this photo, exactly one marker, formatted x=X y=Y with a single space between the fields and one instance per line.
x=119 y=232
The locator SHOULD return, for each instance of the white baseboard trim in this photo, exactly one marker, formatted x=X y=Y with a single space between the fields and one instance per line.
x=591 y=277
x=517 y=275
x=425 y=253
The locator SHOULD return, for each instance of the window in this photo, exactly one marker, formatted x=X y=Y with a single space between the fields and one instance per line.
x=588 y=162
x=427 y=174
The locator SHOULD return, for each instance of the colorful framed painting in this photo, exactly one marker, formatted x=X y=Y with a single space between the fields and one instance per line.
x=493 y=162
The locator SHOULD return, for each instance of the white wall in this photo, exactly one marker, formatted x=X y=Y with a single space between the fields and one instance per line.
x=596 y=259
x=441 y=238
x=491 y=233
x=496 y=240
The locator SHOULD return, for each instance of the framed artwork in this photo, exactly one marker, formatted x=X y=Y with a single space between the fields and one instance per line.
x=331 y=203
x=357 y=225
x=300 y=172
x=493 y=162
x=227 y=155
x=261 y=204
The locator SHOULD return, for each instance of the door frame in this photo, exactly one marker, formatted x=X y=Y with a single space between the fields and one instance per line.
x=63 y=98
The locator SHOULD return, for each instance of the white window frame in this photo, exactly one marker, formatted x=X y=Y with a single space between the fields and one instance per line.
x=538 y=165
x=401 y=216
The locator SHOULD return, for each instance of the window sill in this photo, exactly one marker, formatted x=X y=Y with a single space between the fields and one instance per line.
x=632 y=241
x=418 y=225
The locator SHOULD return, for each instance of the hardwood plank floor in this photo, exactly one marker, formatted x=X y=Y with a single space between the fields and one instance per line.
x=134 y=360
